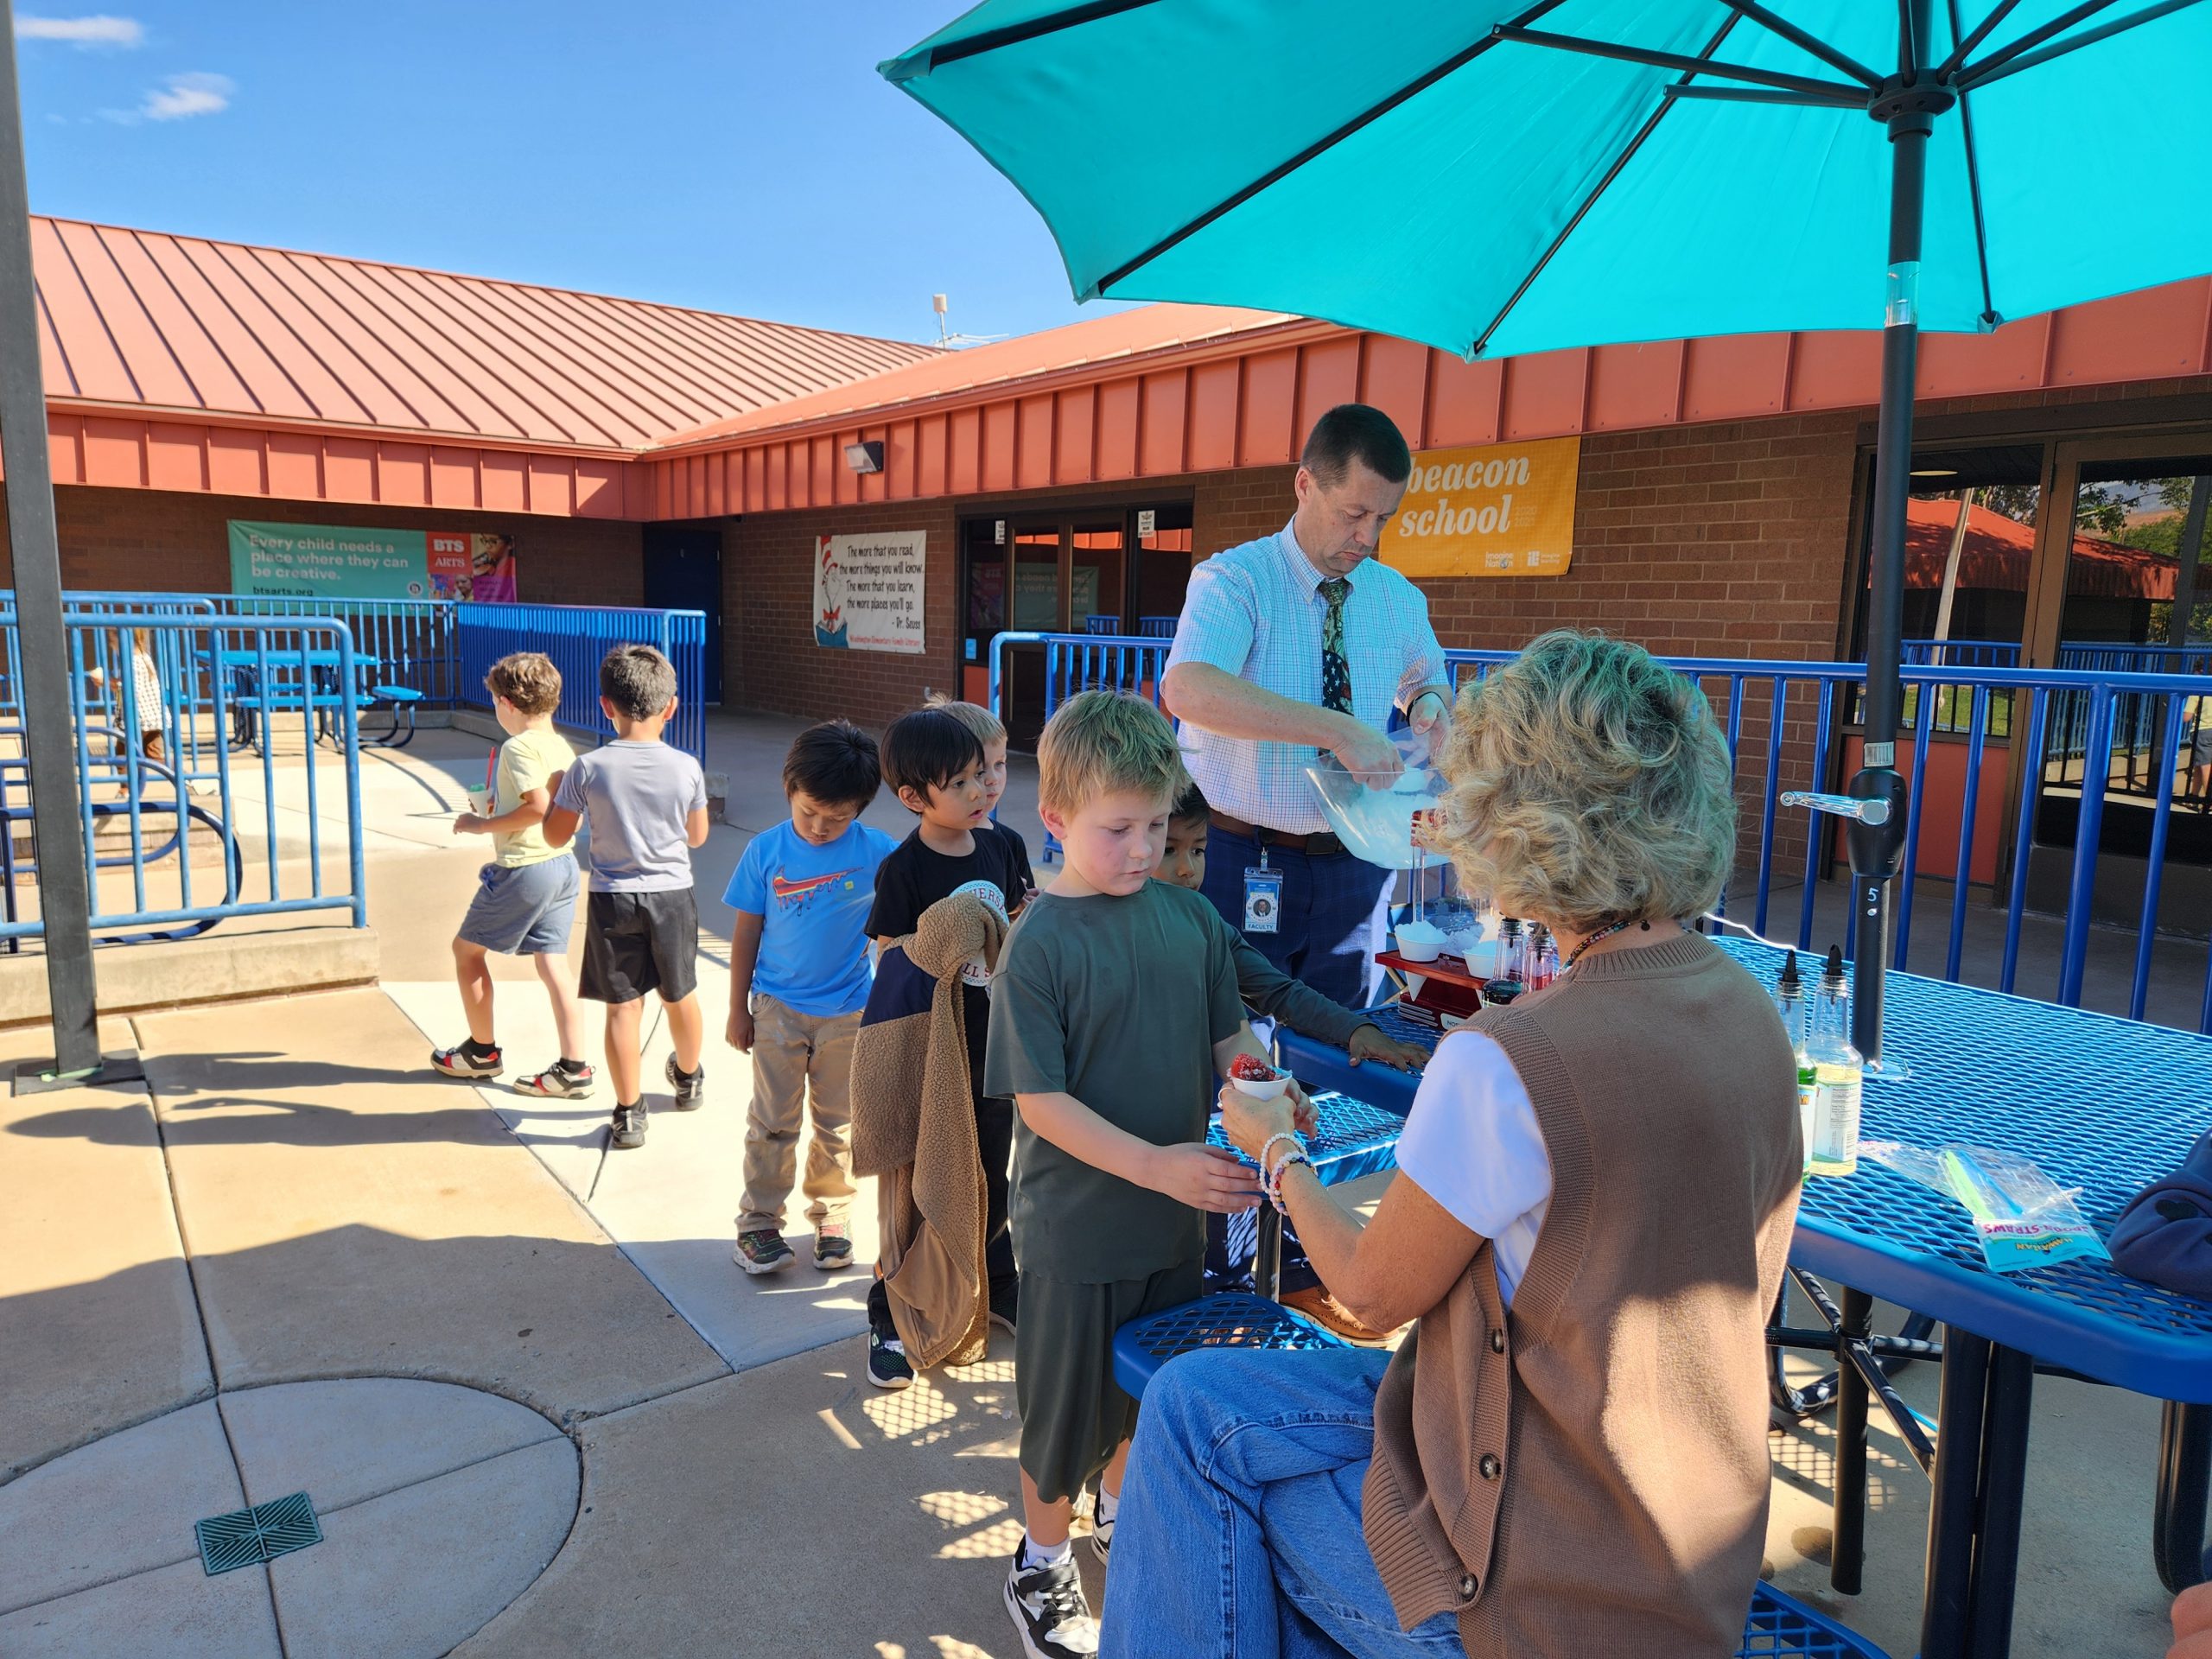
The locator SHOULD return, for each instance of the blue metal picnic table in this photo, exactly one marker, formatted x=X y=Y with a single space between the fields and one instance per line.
x=2102 y=1104
x=290 y=669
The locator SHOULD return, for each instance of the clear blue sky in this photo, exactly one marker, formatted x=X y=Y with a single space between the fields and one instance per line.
x=742 y=157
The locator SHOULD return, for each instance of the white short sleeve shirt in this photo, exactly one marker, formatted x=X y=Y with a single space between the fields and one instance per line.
x=1473 y=1144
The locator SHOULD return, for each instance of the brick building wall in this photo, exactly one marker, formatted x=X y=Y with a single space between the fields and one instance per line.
x=1709 y=541
x=162 y=540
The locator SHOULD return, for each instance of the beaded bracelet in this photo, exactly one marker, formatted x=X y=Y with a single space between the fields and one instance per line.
x=1268 y=1146
x=1274 y=1192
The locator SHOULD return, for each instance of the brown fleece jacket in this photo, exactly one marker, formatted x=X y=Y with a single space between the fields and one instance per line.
x=914 y=1129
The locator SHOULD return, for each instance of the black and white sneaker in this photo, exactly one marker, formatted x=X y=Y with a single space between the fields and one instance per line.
x=1005 y=1303
x=629 y=1126
x=887 y=1367
x=559 y=1082
x=763 y=1250
x=1049 y=1610
x=690 y=1091
x=468 y=1060
x=1102 y=1525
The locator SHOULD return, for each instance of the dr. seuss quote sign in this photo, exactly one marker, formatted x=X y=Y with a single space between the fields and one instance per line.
x=1506 y=510
x=867 y=591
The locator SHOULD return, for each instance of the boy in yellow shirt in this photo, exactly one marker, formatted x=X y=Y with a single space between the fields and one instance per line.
x=525 y=903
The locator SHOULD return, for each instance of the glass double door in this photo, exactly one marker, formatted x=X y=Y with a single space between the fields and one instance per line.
x=2124 y=586
x=1114 y=571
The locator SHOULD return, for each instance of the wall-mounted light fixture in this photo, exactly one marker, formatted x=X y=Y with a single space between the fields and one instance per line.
x=866 y=457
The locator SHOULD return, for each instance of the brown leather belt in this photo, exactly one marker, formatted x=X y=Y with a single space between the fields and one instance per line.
x=1320 y=844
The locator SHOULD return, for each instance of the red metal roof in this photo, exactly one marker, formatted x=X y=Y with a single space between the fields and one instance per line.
x=1170 y=390
x=157 y=324
x=1095 y=344
x=1997 y=551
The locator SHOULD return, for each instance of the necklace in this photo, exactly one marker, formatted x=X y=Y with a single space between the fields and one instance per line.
x=1575 y=954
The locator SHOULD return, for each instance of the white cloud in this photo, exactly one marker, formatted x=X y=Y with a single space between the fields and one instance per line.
x=194 y=93
x=82 y=31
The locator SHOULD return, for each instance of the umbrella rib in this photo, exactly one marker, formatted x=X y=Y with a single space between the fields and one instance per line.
x=1835 y=57
x=1657 y=60
x=1329 y=141
x=1960 y=52
x=1973 y=193
x=1768 y=95
x=2034 y=38
x=1620 y=161
x=990 y=40
x=1982 y=74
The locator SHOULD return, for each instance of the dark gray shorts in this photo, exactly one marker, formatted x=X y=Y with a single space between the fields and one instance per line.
x=1073 y=1413
x=523 y=910
x=640 y=942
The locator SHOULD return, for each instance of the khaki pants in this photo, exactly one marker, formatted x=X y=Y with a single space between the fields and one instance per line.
x=796 y=1055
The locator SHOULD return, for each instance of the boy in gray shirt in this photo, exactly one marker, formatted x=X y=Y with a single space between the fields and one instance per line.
x=648 y=808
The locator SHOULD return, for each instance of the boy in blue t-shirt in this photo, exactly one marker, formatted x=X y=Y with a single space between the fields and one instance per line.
x=798 y=978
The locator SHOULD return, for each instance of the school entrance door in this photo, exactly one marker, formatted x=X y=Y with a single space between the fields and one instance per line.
x=683 y=572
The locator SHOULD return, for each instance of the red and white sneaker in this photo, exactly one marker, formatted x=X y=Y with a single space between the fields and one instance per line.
x=559 y=1083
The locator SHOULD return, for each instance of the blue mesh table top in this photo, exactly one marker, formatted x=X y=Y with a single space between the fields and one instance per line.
x=1350 y=1139
x=2104 y=1104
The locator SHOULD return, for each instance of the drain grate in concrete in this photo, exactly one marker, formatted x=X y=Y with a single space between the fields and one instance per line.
x=249 y=1537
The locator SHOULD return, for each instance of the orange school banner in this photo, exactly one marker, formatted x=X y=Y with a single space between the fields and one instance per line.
x=1502 y=510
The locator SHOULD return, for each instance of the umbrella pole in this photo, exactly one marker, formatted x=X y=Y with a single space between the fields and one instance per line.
x=1877 y=839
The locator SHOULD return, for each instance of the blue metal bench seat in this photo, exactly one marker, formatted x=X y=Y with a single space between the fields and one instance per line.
x=1778 y=1626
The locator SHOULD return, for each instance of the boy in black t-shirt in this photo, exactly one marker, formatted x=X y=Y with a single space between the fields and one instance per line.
x=937 y=763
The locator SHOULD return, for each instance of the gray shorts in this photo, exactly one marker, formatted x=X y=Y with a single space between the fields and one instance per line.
x=523 y=910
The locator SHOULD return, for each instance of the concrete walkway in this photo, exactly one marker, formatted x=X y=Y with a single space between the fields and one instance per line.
x=538 y=1409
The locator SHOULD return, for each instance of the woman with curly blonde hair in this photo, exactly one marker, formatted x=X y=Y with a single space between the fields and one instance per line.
x=1595 y=1192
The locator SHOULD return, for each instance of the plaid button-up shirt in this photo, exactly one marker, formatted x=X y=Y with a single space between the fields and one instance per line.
x=1257 y=612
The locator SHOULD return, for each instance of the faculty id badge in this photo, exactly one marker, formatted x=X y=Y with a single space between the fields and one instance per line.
x=1262 y=899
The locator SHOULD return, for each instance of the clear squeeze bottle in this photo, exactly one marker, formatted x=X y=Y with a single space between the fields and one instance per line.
x=1544 y=957
x=1511 y=976
x=1790 y=1003
x=1834 y=1149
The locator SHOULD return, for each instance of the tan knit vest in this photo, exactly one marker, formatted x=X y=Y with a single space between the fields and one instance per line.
x=1587 y=1475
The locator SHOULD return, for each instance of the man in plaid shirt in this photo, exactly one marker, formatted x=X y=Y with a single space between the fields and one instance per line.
x=1301 y=642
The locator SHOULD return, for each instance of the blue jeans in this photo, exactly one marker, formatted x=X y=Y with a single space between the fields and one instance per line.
x=1239 y=1530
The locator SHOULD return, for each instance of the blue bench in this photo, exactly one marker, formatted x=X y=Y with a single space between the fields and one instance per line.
x=1778 y=1626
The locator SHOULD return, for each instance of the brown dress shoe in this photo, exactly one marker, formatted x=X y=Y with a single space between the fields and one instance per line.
x=1325 y=1311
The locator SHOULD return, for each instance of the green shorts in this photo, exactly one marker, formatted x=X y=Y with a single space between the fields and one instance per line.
x=1073 y=1413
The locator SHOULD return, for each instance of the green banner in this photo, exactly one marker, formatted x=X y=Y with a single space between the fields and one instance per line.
x=346 y=561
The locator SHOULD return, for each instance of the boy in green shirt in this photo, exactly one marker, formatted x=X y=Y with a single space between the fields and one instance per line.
x=1114 y=1005
x=525 y=902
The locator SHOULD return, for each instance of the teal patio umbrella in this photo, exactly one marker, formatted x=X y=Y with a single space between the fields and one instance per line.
x=1494 y=179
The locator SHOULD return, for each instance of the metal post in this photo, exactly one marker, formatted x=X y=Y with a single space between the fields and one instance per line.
x=64 y=899
x=1847 y=1546
x=1909 y=110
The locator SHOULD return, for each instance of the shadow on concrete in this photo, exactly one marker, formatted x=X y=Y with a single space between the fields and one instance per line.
x=572 y=1330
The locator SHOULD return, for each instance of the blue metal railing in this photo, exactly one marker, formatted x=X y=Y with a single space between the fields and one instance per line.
x=144 y=811
x=2095 y=737
x=577 y=638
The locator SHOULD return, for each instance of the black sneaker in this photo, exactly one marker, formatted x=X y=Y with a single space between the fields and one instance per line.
x=762 y=1250
x=468 y=1060
x=691 y=1091
x=1049 y=1610
x=887 y=1361
x=559 y=1083
x=629 y=1128
x=1005 y=1301
x=833 y=1247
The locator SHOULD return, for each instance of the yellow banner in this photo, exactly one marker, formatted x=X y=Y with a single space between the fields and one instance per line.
x=1503 y=510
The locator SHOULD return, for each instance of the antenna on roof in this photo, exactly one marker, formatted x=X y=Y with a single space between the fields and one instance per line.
x=953 y=342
